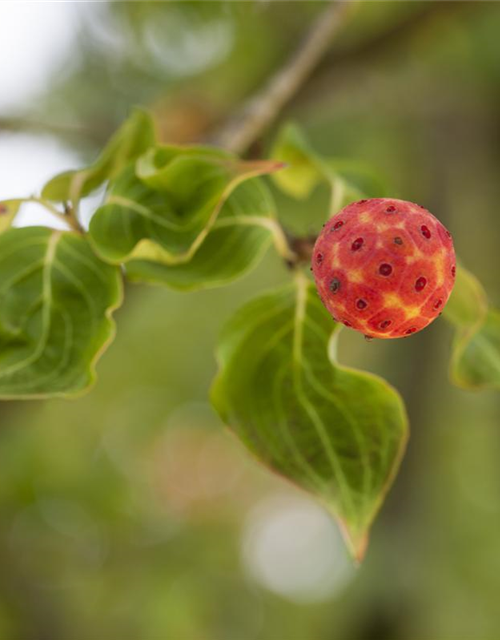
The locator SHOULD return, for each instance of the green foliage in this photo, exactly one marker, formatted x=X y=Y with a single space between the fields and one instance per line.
x=111 y=526
x=187 y=217
x=336 y=432
x=235 y=243
x=468 y=304
x=305 y=168
x=348 y=179
x=162 y=209
x=476 y=356
x=475 y=361
x=193 y=217
x=55 y=312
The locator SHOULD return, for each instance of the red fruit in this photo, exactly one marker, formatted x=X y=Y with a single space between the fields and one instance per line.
x=384 y=267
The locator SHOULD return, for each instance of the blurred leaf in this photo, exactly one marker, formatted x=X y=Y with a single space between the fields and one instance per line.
x=8 y=211
x=235 y=243
x=305 y=168
x=468 y=303
x=134 y=137
x=476 y=355
x=165 y=211
x=359 y=178
x=475 y=361
x=349 y=180
x=336 y=432
x=55 y=312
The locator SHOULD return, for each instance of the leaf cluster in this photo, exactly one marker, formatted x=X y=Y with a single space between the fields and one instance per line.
x=192 y=217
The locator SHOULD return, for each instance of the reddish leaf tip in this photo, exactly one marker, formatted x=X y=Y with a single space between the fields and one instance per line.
x=356 y=542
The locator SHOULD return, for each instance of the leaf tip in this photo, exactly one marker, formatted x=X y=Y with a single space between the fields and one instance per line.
x=281 y=165
x=356 y=542
x=258 y=167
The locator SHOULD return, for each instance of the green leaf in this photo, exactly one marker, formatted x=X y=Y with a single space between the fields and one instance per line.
x=56 y=301
x=163 y=211
x=235 y=243
x=475 y=361
x=349 y=180
x=305 y=168
x=8 y=211
x=173 y=167
x=359 y=179
x=133 y=138
x=468 y=304
x=336 y=432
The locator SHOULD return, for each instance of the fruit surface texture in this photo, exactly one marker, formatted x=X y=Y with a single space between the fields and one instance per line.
x=384 y=267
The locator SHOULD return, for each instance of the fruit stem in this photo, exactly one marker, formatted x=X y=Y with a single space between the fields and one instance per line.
x=301 y=248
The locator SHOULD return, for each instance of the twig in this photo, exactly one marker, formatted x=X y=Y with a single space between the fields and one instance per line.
x=258 y=114
x=20 y=123
x=67 y=217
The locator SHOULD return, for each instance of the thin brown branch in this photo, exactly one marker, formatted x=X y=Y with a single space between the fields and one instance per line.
x=263 y=108
x=26 y=124
x=16 y=123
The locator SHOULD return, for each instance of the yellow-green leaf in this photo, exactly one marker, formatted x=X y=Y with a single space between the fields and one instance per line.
x=468 y=303
x=348 y=180
x=162 y=209
x=305 y=169
x=475 y=360
x=336 y=432
x=56 y=301
x=235 y=243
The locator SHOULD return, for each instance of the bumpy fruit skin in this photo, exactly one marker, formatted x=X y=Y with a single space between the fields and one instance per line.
x=384 y=267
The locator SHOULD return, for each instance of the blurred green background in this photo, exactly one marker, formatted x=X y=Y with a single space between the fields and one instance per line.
x=131 y=512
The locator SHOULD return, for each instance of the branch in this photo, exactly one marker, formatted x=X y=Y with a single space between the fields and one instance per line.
x=264 y=107
x=22 y=123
